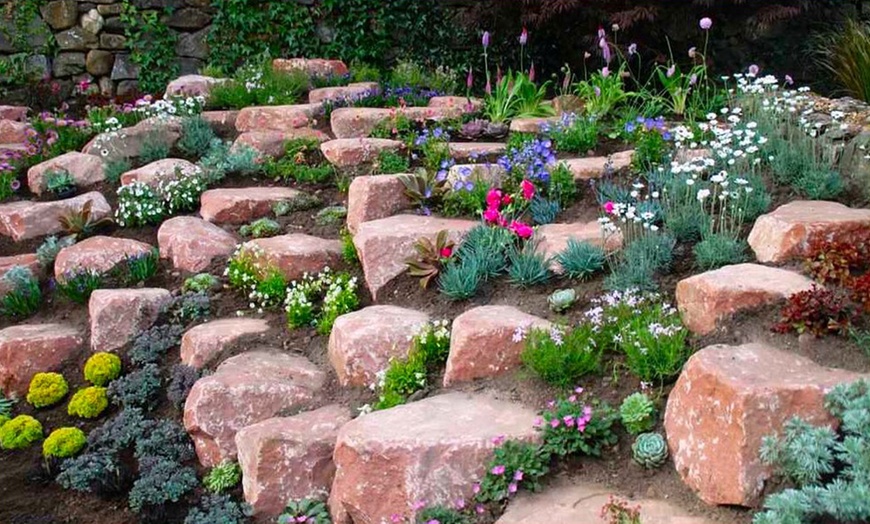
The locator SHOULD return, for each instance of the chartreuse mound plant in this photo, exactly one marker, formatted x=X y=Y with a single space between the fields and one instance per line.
x=829 y=470
x=102 y=368
x=64 y=443
x=46 y=389
x=638 y=413
x=88 y=402
x=20 y=432
x=223 y=477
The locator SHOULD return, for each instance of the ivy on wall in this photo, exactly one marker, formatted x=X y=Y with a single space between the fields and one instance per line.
x=151 y=45
x=20 y=27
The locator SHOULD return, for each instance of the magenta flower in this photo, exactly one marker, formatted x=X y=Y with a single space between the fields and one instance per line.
x=521 y=230
x=706 y=23
x=568 y=420
x=605 y=71
x=480 y=509
x=460 y=504
x=492 y=216
x=493 y=198
x=512 y=487
x=498 y=441
x=518 y=475
x=418 y=505
x=486 y=38
x=475 y=488
x=488 y=87
x=528 y=189
x=497 y=470
x=469 y=81
x=554 y=423
x=579 y=389
x=524 y=37
x=601 y=32
x=532 y=73
x=538 y=422
x=608 y=208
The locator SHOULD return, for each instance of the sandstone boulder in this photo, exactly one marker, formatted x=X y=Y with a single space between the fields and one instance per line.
x=25 y=220
x=595 y=167
x=201 y=344
x=164 y=170
x=296 y=254
x=242 y=205
x=351 y=152
x=117 y=316
x=101 y=254
x=27 y=349
x=277 y=118
x=192 y=243
x=86 y=170
x=373 y=197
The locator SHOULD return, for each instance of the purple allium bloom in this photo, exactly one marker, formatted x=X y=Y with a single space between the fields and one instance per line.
x=692 y=52
x=497 y=470
x=693 y=79
x=486 y=38
x=15 y=185
x=605 y=50
x=469 y=82
x=706 y=23
x=632 y=49
x=605 y=71
x=524 y=37
x=753 y=70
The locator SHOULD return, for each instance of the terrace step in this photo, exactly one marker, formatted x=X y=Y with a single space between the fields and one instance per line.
x=277 y=118
x=271 y=143
x=430 y=450
x=130 y=142
x=312 y=66
x=384 y=245
x=161 y=171
x=707 y=299
x=464 y=104
x=531 y=125
x=28 y=349
x=482 y=342
x=246 y=389
x=25 y=220
x=17 y=113
x=597 y=166
x=373 y=197
x=363 y=342
x=472 y=151
x=295 y=254
x=726 y=400
x=359 y=122
x=201 y=344
x=788 y=232
x=86 y=170
x=351 y=152
x=13 y=131
x=242 y=205
x=117 y=316
x=289 y=458
x=192 y=244
x=349 y=92
x=101 y=254
x=488 y=172
x=222 y=122
x=193 y=85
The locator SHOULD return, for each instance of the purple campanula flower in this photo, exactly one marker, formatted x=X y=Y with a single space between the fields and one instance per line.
x=632 y=49
x=485 y=40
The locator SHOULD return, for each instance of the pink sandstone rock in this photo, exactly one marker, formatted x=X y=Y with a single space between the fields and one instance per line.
x=246 y=389
x=17 y=113
x=574 y=502
x=466 y=151
x=86 y=170
x=788 y=231
x=374 y=197
x=277 y=118
x=461 y=103
x=164 y=170
x=117 y=316
x=202 y=343
x=431 y=450
x=242 y=205
x=6 y=263
x=384 y=245
x=290 y=458
x=363 y=342
x=311 y=66
x=726 y=400
x=359 y=122
x=25 y=220
x=27 y=349
x=594 y=167
x=100 y=254
x=489 y=172
x=223 y=122
x=271 y=143
x=351 y=91
x=532 y=124
x=192 y=244
x=350 y=152
x=13 y=150
x=130 y=141
x=706 y=299
x=13 y=132
x=482 y=345
x=296 y=254
x=192 y=85
x=554 y=238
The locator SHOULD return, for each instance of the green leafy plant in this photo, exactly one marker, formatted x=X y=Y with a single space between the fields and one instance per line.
x=196 y=137
x=441 y=515
x=348 y=249
x=59 y=183
x=222 y=509
x=431 y=257
x=259 y=84
x=78 y=285
x=260 y=281
x=161 y=481
x=23 y=297
x=845 y=54
x=46 y=389
x=138 y=389
x=528 y=267
x=389 y=163
x=50 y=247
x=515 y=96
x=152 y=46
x=617 y=511
x=139 y=205
x=88 y=402
x=544 y=211
x=181 y=381
x=305 y=510
x=154 y=148
x=64 y=443
x=223 y=477
x=151 y=345
x=302 y=161
x=81 y=223
x=580 y=260
x=460 y=280
x=260 y=228
x=513 y=465
x=561 y=356
x=319 y=300
x=200 y=283
x=115 y=168
x=719 y=250
x=637 y=413
x=140 y=268
x=573 y=133
x=650 y=450
x=573 y=426
x=602 y=92
x=20 y=432
x=330 y=216
x=653 y=341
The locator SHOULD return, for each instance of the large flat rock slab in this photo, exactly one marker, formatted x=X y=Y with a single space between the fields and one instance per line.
x=130 y=142
x=242 y=205
x=101 y=254
x=192 y=244
x=384 y=245
x=277 y=118
x=202 y=343
x=86 y=170
x=351 y=152
x=161 y=171
x=270 y=144
x=246 y=389
x=117 y=316
x=788 y=231
x=352 y=91
x=373 y=197
x=726 y=400
x=430 y=450
x=296 y=254
x=192 y=85
x=311 y=66
x=705 y=300
x=597 y=166
x=359 y=122
x=28 y=349
x=25 y=220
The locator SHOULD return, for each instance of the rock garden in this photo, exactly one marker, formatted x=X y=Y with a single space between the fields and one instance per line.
x=307 y=291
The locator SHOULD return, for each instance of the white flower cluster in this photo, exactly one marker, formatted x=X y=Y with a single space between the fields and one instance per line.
x=337 y=293
x=138 y=205
x=166 y=108
x=183 y=192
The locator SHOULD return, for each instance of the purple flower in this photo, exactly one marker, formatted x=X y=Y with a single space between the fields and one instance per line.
x=597 y=91
x=605 y=50
x=706 y=23
x=692 y=52
x=554 y=423
x=632 y=49
x=486 y=38
x=518 y=475
x=753 y=70
x=524 y=37
x=671 y=70
x=469 y=82
x=512 y=487
x=488 y=88
x=15 y=185
x=789 y=80
x=601 y=32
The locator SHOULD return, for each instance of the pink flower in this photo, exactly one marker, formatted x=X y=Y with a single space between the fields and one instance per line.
x=460 y=504
x=480 y=509
x=418 y=505
x=521 y=230
x=528 y=189
x=498 y=441
x=446 y=252
x=579 y=389
x=671 y=70
x=507 y=200
x=753 y=70
x=475 y=488
x=554 y=423
x=632 y=49
x=538 y=422
x=518 y=475
x=488 y=88
x=706 y=23
x=485 y=40
x=512 y=487
x=493 y=198
x=608 y=208
x=469 y=82
x=605 y=71
x=605 y=50
x=532 y=73
x=693 y=51
x=492 y=216
x=497 y=470
x=568 y=420
x=789 y=80
x=524 y=37
x=572 y=398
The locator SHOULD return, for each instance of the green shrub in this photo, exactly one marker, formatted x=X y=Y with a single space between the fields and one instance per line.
x=102 y=368
x=166 y=439
x=260 y=228
x=390 y=163
x=161 y=481
x=561 y=357
x=501 y=479
x=189 y=307
x=219 y=509
x=259 y=84
x=115 y=168
x=571 y=426
x=223 y=477
x=58 y=182
x=330 y=216
x=154 y=148
x=717 y=250
x=637 y=413
x=181 y=381
x=348 y=248
x=580 y=260
x=50 y=247
x=462 y=201
x=196 y=137
x=47 y=389
x=574 y=134
x=653 y=340
x=88 y=402
x=24 y=296
x=528 y=267
x=64 y=443
x=20 y=432
x=544 y=211
x=461 y=280
x=318 y=300
x=138 y=389
x=200 y=283
x=152 y=344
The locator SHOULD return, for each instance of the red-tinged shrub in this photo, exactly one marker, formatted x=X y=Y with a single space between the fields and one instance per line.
x=818 y=311
x=833 y=261
x=860 y=291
